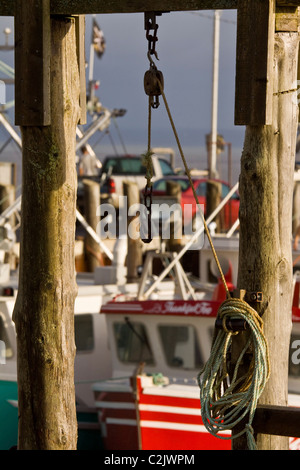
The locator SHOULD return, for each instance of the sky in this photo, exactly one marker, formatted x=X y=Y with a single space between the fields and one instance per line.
x=185 y=52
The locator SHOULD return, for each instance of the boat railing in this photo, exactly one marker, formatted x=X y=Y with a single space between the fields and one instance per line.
x=15 y=207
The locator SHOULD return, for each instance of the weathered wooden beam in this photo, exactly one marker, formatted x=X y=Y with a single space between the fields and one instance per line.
x=32 y=63
x=266 y=194
x=271 y=420
x=288 y=3
x=84 y=7
x=254 y=62
x=45 y=322
x=287 y=19
x=277 y=420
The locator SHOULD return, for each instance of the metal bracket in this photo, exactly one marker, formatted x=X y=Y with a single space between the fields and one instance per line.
x=236 y=325
x=249 y=297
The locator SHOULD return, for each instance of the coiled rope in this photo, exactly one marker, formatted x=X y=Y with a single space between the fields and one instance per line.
x=226 y=401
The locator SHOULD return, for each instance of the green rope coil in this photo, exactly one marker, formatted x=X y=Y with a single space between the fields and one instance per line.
x=226 y=401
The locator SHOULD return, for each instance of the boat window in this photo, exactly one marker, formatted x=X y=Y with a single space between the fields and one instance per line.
x=84 y=333
x=132 y=343
x=6 y=351
x=294 y=357
x=180 y=345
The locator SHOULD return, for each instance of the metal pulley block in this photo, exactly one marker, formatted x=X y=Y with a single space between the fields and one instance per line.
x=152 y=79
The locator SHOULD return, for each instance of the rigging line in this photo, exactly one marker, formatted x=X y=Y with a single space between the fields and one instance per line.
x=209 y=17
x=120 y=135
x=7 y=69
x=193 y=189
x=112 y=143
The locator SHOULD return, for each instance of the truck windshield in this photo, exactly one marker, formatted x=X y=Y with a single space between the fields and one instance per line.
x=132 y=166
x=124 y=166
x=166 y=167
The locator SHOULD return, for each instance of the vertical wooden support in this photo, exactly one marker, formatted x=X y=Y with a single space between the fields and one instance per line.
x=44 y=309
x=32 y=52
x=266 y=189
x=173 y=190
x=91 y=203
x=254 y=62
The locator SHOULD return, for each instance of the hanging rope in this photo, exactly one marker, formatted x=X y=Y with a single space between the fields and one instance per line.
x=193 y=190
x=147 y=157
x=226 y=401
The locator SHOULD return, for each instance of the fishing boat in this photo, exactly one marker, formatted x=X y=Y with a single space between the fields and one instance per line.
x=93 y=355
x=152 y=401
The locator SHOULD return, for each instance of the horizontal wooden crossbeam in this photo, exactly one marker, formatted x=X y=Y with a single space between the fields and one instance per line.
x=85 y=7
x=277 y=420
x=269 y=419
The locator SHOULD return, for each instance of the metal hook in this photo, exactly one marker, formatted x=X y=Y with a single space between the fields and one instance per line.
x=152 y=63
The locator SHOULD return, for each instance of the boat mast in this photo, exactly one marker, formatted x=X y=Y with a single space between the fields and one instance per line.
x=92 y=59
x=214 y=105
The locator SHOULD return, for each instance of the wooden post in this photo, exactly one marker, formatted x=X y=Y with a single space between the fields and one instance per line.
x=91 y=202
x=174 y=243
x=44 y=310
x=213 y=199
x=134 y=250
x=266 y=190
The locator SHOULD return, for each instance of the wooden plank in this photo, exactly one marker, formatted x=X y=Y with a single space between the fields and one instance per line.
x=32 y=63
x=84 y=7
x=295 y=3
x=270 y=420
x=7 y=7
x=277 y=420
x=287 y=19
x=254 y=62
x=81 y=7
x=80 y=43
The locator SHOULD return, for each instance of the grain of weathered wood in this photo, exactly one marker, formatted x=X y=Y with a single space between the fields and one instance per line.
x=32 y=53
x=84 y=7
x=254 y=62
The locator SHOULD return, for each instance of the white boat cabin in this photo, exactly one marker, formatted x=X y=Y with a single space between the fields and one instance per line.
x=172 y=338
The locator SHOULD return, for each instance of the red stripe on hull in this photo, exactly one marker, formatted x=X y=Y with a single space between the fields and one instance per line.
x=168 y=439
